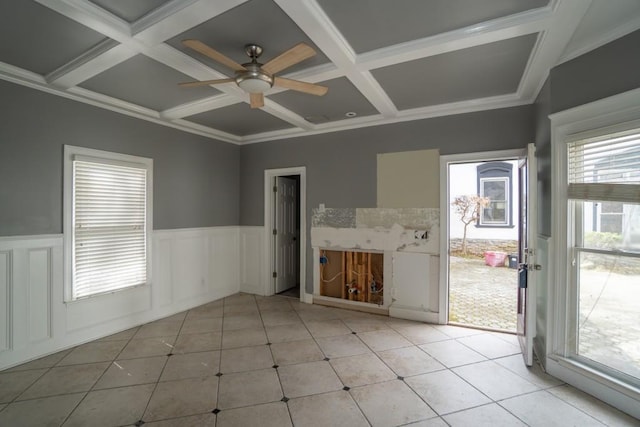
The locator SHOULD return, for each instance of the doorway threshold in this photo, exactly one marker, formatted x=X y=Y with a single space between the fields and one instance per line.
x=482 y=328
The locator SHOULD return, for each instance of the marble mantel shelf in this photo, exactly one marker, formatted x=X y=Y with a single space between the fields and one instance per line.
x=397 y=238
x=379 y=229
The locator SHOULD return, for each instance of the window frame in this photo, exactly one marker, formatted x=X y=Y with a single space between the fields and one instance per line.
x=496 y=171
x=609 y=115
x=507 y=202
x=72 y=153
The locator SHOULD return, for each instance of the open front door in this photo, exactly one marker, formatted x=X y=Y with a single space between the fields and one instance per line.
x=286 y=195
x=526 y=324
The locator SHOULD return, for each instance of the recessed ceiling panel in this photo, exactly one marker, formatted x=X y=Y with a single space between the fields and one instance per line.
x=37 y=39
x=129 y=10
x=148 y=83
x=239 y=119
x=256 y=21
x=341 y=98
x=372 y=24
x=477 y=72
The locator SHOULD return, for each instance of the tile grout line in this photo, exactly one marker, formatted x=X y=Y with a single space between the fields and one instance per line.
x=101 y=375
x=336 y=373
x=155 y=387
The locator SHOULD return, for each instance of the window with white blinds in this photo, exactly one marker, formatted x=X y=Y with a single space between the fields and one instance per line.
x=109 y=225
x=605 y=168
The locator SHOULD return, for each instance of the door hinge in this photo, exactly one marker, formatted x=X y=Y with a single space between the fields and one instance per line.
x=275 y=274
x=275 y=189
x=275 y=232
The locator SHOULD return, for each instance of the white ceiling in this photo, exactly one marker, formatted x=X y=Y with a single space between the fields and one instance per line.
x=386 y=61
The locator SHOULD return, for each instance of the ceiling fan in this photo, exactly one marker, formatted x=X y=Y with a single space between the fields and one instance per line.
x=256 y=78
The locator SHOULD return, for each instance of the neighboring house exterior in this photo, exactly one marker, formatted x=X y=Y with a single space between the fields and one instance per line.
x=613 y=217
x=499 y=182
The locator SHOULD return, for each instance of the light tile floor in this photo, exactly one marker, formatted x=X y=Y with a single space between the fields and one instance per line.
x=254 y=361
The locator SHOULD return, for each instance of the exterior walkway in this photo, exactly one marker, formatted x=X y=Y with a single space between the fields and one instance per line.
x=482 y=296
x=485 y=297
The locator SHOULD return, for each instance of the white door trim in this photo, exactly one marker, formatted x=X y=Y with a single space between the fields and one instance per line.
x=269 y=177
x=443 y=303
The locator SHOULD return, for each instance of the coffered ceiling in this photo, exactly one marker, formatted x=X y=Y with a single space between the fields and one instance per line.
x=383 y=61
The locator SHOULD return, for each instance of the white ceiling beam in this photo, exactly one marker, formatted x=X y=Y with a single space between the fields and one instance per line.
x=88 y=14
x=90 y=64
x=520 y=24
x=317 y=74
x=550 y=45
x=14 y=74
x=170 y=20
x=175 y=18
x=199 y=106
x=310 y=17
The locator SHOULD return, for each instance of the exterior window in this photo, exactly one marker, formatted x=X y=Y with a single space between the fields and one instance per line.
x=496 y=189
x=107 y=221
x=604 y=214
x=495 y=182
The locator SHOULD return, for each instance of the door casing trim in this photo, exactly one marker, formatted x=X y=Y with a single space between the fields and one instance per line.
x=445 y=161
x=269 y=208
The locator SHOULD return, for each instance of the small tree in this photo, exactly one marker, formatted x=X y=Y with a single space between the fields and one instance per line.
x=468 y=209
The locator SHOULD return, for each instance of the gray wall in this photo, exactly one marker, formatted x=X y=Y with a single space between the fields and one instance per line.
x=195 y=178
x=341 y=166
x=608 y=70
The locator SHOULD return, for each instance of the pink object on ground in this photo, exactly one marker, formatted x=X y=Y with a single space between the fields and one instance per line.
x=495 y=259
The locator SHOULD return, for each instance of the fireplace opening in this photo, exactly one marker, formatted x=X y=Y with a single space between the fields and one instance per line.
x=352 y=275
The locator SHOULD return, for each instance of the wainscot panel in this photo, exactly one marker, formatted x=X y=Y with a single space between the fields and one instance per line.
x=190 y=267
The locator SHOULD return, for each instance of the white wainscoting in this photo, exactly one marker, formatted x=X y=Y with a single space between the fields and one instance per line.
x=5 y=301
x=190 y=267
x=252 y=268
x=414 y=286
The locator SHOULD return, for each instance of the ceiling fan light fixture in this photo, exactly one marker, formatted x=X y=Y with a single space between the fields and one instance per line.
x=252 y=79
x=253 y=84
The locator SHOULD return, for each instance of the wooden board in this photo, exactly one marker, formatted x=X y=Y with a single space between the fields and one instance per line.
x=352 y=270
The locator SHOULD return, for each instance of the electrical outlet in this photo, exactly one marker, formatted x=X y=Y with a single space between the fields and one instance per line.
x=420 y=234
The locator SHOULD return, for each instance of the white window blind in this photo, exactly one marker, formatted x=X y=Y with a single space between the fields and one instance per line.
x=109 y=227
x=605 y=168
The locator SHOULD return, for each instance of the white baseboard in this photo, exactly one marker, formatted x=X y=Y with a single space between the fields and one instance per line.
x=308 y=298
x=413 y=314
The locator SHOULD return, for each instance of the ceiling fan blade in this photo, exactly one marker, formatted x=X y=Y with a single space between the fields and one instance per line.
x=205 y=82
x=286 y=59
x=202 y=48
x=257 y=100
x=310 y=88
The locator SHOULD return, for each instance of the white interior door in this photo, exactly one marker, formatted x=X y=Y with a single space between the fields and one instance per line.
x=526 y=325
x=285 y=233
